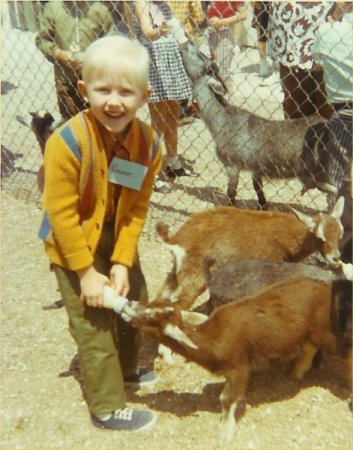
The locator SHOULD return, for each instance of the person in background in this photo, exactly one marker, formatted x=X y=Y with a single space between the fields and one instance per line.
x=121 y=12
x=333 y=50
x=191 y=18
x=260 y=23
x=66 y=28
x=100 y=166
x=223 y=18
x=291 y=30
x=168 y=79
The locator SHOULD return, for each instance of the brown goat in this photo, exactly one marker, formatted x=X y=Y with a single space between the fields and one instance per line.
x=226 y=233
x=291 y=319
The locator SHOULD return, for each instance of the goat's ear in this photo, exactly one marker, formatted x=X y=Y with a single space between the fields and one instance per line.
x=306 y=220
x=193 y=318
x=319 y=232
x=178 y=335
x=338 y=208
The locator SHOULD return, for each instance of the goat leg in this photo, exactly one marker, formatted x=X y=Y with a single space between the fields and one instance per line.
x=258 y=187
x=233 y=391
x=233 y=179
x=304 y=363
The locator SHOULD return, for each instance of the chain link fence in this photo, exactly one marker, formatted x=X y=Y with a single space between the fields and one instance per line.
x=28 y=85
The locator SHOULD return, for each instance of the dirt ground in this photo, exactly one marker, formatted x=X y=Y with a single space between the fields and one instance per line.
x=42 y=405
x=41 y=409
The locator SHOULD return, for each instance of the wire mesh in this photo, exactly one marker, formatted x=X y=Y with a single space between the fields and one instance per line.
x=28 y=85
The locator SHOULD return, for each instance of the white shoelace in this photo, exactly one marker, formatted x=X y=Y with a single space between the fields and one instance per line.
x=123 y=414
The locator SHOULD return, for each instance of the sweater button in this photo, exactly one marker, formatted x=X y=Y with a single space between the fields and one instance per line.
x=97 y=226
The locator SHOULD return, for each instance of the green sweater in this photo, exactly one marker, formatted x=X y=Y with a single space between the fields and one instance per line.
x=71 y=26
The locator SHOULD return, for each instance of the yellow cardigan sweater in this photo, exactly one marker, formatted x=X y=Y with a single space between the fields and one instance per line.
x=76 y=193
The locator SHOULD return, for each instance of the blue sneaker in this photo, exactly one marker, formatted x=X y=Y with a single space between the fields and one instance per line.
x=142 y=377
x=126 y=419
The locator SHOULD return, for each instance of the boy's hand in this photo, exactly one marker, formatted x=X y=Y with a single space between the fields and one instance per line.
x=92 y=284
x=119 y=278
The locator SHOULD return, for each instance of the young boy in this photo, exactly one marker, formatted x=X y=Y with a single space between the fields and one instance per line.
x=99 y=172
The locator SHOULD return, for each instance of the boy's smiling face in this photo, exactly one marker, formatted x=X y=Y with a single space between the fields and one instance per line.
x=113 y=97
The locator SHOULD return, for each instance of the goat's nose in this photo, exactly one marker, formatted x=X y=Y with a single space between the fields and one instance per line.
x=335 y=260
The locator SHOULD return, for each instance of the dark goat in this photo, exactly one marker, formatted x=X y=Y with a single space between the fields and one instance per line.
x=42 y=125
x=270 y=148
x=237 y=279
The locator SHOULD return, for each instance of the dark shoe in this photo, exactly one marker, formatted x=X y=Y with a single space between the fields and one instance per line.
x=177 y=172
x=55 y=305
x=185 y=120
x=126 y=419
x=143 y=377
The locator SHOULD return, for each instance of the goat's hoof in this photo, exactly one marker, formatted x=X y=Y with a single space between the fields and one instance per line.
x=231 y=201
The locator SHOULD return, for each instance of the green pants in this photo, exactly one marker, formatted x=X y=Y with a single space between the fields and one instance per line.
x=107 y=346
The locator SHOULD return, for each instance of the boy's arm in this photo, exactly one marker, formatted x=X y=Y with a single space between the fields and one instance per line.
x=142 y=13
x=238 y=16
x=61 y=199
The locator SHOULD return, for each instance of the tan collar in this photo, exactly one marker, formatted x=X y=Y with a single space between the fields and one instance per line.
x=113 y=145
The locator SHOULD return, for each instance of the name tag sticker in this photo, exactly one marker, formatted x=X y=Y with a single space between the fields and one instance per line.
x=127 y=173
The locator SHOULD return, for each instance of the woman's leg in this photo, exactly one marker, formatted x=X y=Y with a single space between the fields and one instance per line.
x=164 y=117
x=157 y=113
x=171 y=127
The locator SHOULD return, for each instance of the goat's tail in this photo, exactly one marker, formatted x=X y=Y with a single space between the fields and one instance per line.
x=206 y=265
x=162 y=230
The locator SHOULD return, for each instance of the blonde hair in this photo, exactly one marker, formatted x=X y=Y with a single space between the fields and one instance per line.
x=128 y=54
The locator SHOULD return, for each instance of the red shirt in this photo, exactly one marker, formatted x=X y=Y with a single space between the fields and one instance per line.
x=223 y=10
